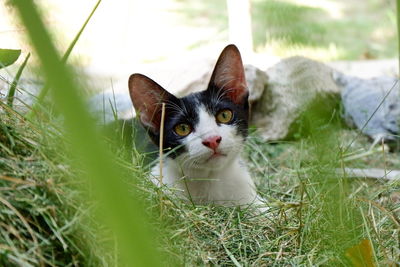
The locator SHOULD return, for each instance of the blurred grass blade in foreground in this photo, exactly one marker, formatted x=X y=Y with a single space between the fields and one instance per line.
x=361 y=255
x=64 y=59
x=124 y=213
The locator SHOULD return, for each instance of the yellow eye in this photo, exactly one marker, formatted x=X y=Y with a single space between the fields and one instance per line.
x=182 y=129
x=224 y=116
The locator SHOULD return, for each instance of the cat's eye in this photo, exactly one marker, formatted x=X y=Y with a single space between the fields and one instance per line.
x=224 y=116
x=182 y=129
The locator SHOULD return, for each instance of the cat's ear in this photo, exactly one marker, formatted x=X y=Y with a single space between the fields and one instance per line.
x=228 y=76
x=147 y=97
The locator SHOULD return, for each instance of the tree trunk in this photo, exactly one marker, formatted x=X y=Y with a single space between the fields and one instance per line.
x=240 y=32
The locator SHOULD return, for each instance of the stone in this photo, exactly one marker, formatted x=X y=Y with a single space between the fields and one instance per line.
x=372 y=105
x=293 y=85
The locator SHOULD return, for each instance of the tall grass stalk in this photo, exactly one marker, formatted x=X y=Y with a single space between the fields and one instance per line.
x=124 y=213
x=13 y=87
x=64 y=59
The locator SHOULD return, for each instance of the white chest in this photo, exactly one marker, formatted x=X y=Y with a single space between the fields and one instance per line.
x=227 y=186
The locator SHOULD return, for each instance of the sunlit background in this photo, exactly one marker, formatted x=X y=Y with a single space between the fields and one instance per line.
x=125 y=36
x=176 y=41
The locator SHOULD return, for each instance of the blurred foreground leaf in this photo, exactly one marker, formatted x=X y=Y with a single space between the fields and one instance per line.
x=122 y=209
x=45 y=89
x=8 y=56
x=361 y=254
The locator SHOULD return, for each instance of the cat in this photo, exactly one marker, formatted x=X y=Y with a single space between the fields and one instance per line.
x=204 y=134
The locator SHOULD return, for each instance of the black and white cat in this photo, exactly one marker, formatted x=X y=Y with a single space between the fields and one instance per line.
x=206 y=132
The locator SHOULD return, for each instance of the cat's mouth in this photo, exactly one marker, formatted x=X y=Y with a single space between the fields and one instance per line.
x=215 y=155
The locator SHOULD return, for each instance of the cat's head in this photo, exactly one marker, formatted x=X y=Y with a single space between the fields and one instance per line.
x=205 y=129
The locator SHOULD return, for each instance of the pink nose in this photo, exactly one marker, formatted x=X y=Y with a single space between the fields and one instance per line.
x=212 y=142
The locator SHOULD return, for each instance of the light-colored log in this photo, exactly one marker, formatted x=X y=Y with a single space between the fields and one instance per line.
x=371 y=173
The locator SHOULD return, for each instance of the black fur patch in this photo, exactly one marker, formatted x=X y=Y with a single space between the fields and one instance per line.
x=186 y=110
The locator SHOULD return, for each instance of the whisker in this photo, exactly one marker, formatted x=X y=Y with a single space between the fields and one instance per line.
x=175 y=107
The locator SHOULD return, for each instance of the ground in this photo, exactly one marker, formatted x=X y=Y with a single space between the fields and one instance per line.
x=317 y=215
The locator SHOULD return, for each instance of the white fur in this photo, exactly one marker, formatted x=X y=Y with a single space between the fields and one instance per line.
x=222 y=180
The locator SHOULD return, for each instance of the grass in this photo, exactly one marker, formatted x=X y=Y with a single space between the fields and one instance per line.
x=299 y=230
x=39 y=221
x=51 y=214
x=289 y=28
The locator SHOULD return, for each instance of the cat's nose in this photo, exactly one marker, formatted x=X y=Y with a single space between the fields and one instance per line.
x=212 y=142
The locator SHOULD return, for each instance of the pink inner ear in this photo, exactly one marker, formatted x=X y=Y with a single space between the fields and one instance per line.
x=236 y=87
x=229 y=74
x=152 y=123
x=147 y=97
x=149 y=108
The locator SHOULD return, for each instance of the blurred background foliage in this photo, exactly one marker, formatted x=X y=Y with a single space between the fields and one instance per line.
x=324 y=30
x=157 y=30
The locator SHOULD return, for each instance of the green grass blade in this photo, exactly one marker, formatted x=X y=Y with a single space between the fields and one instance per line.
x=78 y=35
x=11 y=92
x=124 y=213
x=64 y=59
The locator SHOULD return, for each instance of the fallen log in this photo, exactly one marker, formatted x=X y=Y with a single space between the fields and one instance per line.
x=392 y=175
